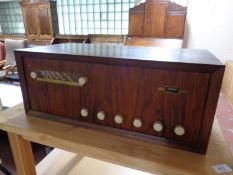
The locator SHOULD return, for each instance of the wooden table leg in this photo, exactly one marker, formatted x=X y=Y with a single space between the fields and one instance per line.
x=22 y=153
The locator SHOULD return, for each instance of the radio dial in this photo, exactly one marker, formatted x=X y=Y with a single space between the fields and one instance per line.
x=137 y=123
x=118 y=119
x=158 y=126
x=84 y=112
x=179 y=130
x=101 y=115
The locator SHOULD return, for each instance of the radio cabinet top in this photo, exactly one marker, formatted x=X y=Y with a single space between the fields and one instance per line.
x=126 y=55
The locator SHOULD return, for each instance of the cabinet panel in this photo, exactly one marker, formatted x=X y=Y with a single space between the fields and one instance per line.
x=175 y=26
x=134 y=93
x=44 y=21
x=30 y=21
x=155 y=18
x=38 y=21
x=59 y=99
x=136 y=24
x=129 y=91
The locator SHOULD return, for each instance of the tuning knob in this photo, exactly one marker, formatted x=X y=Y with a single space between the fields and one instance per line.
x=137 y=123
x=84 y=112
x=33 y=75
x=158 y=126
x=179 y=130
x=118 y=119
x=101 y=115
x=82 y=81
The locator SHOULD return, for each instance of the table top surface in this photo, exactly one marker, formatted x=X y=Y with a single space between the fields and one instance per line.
x=140 y=155
x=129 y=53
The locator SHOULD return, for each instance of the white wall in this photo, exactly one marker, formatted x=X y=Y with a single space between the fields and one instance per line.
x=210 y=26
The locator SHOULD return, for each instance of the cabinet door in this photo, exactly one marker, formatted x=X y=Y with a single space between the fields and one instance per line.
x=155 y=17
x=44 y=21
x=135 y=24
x=175 y=26
x=30 y=25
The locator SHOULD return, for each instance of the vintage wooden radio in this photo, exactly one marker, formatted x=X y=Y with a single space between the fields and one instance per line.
x=164 y=96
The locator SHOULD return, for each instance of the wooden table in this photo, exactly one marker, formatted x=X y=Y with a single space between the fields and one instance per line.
x=144 y=156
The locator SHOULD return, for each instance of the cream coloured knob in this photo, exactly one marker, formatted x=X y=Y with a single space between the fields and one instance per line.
x=118 y=119
x=33 y=75
x=137 y=123
x=84 y=112
x=82 y=81
x=179 y=130
x=158 y=126
x=101 y=115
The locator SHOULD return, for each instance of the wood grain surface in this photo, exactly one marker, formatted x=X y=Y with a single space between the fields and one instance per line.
x=140 y=155
x=128 y=55
x=131 y=90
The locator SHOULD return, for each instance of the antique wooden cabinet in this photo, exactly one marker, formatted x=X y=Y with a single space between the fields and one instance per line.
x=157 y=18
x=40 y=18
x=159 y=95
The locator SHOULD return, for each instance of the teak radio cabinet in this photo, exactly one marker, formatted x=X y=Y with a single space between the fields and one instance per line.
x=159 y=95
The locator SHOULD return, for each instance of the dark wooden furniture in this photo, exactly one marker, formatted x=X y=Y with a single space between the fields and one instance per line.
x=164 y=96
x=157 y=18
x=110 y=39
x=69 y=39
x=40 y=19
x=155 y=42
x=107 y=39
x=58 y=39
